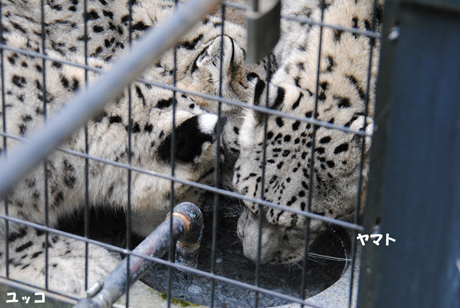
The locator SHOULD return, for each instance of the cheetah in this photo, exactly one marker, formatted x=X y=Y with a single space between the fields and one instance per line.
x=108 y=39
x=341 y=93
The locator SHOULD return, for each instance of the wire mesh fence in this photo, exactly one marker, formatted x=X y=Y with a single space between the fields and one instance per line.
x=197 y=157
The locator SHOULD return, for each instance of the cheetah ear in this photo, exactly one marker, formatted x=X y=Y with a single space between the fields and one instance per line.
x=190 y=137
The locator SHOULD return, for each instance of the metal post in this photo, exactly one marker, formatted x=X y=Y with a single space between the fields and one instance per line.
x=106 y=89
x=187 y=224
x=414 y=182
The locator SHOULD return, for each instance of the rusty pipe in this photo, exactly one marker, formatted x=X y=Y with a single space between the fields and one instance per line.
x=187 y=226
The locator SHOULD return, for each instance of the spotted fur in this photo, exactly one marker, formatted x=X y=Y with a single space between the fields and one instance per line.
x=198 y=55
x=341 y=96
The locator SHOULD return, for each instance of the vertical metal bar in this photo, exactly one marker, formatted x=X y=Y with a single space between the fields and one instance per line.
x=262 y=184
x=173 y=163
x=130 y=124
x=255 y=5
x=361 y=165
x=312 y=157
x=5 y=149
x=216 y=164
x=86 y=218
x=45 y=164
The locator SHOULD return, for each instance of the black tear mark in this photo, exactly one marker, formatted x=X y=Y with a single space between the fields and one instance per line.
x=341 y=148
x=191 y=45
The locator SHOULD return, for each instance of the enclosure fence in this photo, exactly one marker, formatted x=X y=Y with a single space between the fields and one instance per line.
x=156 y=41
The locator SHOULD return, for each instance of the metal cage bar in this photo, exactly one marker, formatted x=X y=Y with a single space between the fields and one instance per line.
x=153 y=44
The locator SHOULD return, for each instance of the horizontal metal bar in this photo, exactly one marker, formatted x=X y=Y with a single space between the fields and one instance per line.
x=337 y=27
x=199 y=94
x=220 y=191
x=89 y=103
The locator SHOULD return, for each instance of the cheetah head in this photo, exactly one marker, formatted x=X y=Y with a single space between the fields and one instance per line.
x=288 y=177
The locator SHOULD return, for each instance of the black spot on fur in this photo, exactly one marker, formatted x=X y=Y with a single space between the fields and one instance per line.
x=65 y=82
x=191 y=45
x=148 y=128
x=296 y=104
x=354 y=81
x=36 y=254
x=27 y=118
x=19 y=81
x=98 y=29
x=140 y=26
x=24 y=246
x=92 y=15
x=343 y=102
x=279 y=122
x=165 y=103
x=13 y=236
x=260 y=86
x=325 y=140
x=115 y=119
x=58 y=199
x=136 y=128
x=18 y=27
x=107 y=14
x=341 y=148
x=140 y=95
x=22 y=129
x=354 y=118
x=188 y=141
x=295 y=125
x=279 y=98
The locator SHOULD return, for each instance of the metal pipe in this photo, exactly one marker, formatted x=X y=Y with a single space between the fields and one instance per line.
x=106 y=89
x=187 y=226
